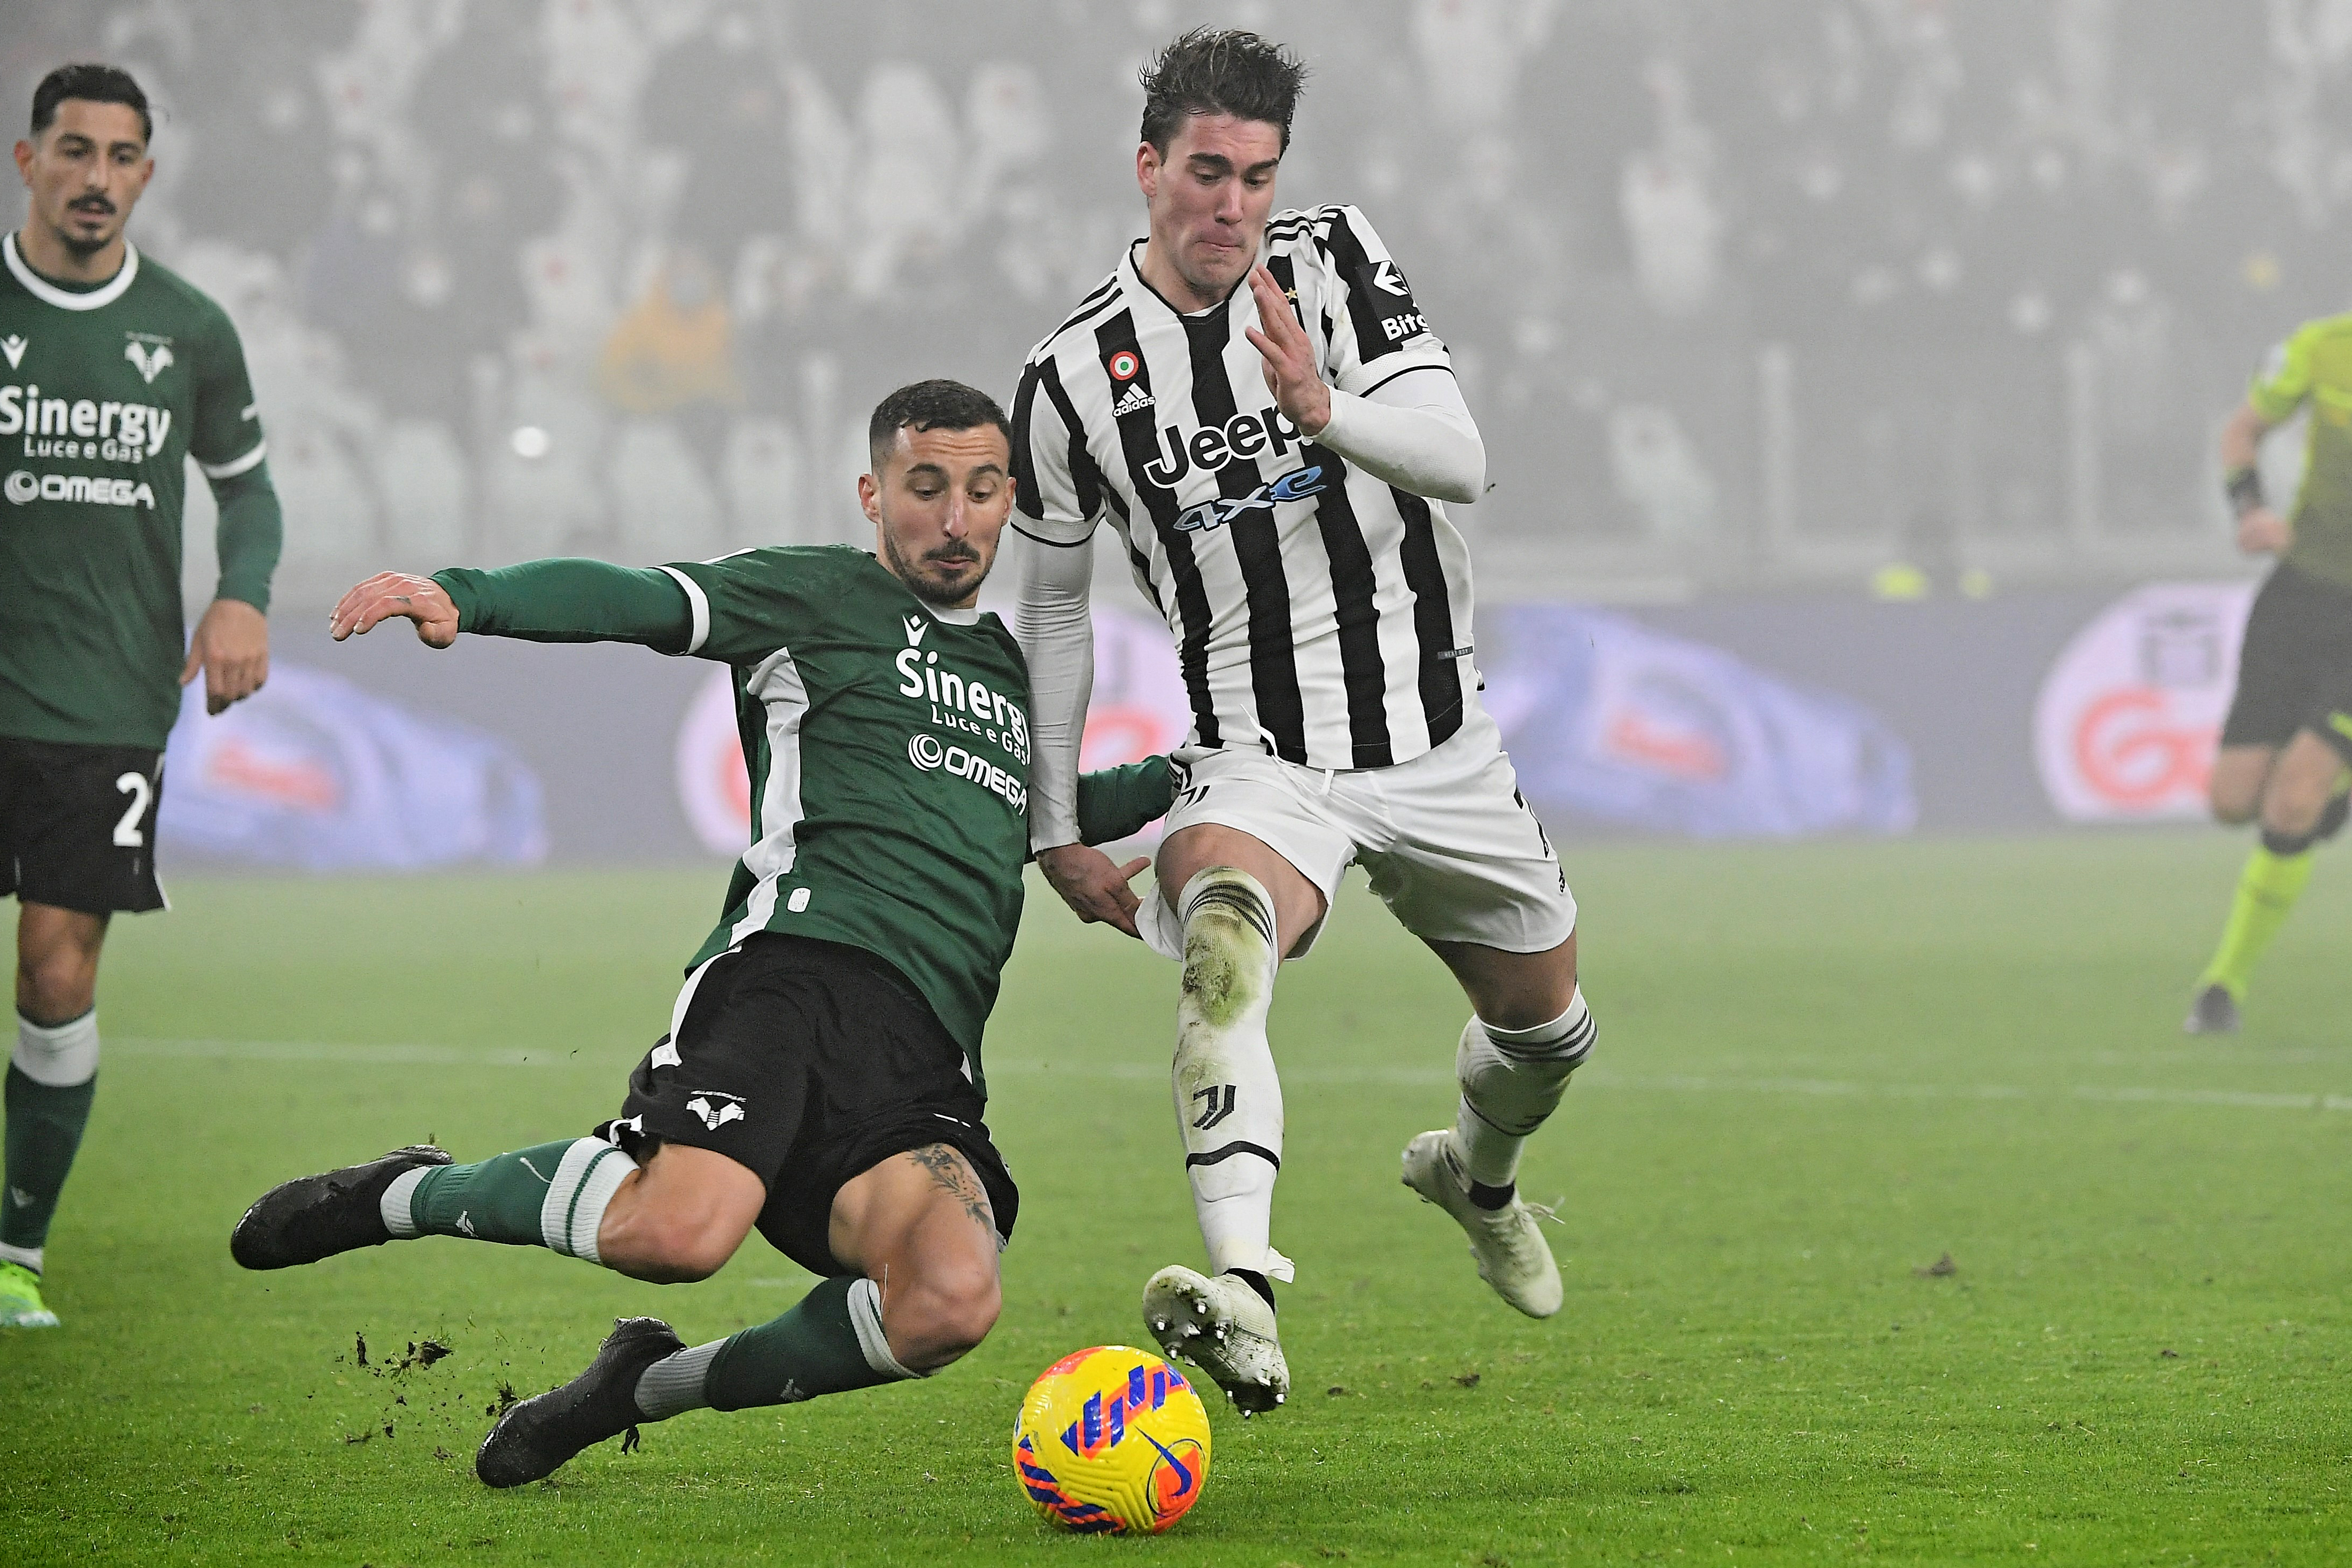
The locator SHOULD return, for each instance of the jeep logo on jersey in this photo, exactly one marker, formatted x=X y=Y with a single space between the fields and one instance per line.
x=1212 y=447
x=1295 y=485
x=23 y=488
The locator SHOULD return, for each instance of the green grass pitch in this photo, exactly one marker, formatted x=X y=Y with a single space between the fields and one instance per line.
x=1821 y=1070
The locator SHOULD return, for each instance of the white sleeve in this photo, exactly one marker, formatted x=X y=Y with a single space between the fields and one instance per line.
x=1414 y=431
x=1057 y=635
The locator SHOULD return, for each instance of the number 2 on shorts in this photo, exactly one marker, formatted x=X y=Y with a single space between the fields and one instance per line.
x=126 y=832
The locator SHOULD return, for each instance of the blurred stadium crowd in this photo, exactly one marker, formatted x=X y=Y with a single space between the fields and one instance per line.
x=1744 y=291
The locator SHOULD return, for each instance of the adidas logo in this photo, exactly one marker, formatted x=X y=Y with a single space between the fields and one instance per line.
x=1134 y=402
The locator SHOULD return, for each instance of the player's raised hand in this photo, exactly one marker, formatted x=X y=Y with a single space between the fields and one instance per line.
x=231 y=648
x=1291 y=373
x=2261 y=531
x=1094 y=885
x=390 y=594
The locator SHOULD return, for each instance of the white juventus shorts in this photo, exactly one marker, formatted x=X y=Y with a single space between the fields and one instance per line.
x=1450 y=845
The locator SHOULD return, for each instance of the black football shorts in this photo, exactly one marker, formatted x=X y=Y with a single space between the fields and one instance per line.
x=809 y=1063
x=2294 y=670
x=78 y=825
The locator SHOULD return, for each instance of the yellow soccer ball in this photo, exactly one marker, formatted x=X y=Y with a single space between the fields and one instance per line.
x=1112 y=1441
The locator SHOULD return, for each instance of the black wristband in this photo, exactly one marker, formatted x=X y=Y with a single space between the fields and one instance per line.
x=2244 y=488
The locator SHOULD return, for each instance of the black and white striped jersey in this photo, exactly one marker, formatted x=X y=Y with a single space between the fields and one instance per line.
x=1319 y=612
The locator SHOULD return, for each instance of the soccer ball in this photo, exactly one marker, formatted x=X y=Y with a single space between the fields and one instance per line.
x=1111 y=1440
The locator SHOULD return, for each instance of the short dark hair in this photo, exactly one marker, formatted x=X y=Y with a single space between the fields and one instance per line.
x=932 y=405
x=95 y=84
x=1220 y=70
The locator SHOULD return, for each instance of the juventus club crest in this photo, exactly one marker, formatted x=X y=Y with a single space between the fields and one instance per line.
x=1220 y=1105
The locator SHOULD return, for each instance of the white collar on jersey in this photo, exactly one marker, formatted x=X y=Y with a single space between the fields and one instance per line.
x=950 y=614
x=48 y=293
x=1134 y=270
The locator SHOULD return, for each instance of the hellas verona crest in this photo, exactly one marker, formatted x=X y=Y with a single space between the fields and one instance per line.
x=151 y=361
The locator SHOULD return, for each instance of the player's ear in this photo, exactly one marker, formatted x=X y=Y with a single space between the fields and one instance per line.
x=1147 y=168
x=870 y=497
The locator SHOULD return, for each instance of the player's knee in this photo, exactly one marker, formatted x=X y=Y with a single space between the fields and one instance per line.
x=2231 y=807
x=54 y=987
x=944 y=1314
x=664 y=1246
x=2293 y=813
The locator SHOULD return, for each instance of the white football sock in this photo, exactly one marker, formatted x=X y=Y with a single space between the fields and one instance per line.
x=1228 y=1097
x=1511 y=1079
x=59 y=1057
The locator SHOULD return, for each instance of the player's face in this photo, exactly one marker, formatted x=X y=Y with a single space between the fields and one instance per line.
x=938 y=500
x=86 y=172
x=1210 y=197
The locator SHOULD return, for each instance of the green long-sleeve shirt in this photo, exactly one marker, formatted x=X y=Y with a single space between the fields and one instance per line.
x=106 y=394
x=888 y=743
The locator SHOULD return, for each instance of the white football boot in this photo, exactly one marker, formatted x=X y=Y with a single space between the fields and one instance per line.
x=1222 y=1327
x=1512 y=1254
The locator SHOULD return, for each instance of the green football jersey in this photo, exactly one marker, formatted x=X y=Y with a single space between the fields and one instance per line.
x=104 y=394
x=2314 y=366
x=887 y=742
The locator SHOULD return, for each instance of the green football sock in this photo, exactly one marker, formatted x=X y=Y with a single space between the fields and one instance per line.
x=52 y=1077
x=829 y=1343
x=2267 y=891
x=44 y=1127
x=552 y=1195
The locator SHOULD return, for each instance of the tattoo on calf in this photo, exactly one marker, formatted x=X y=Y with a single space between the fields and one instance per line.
x=948 y=1168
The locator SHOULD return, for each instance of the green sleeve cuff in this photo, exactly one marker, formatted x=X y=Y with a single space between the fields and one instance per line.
x=251 y=532
x=1119 y=801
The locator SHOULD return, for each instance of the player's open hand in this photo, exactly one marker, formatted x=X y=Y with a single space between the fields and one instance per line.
x=1094 y=885
x=2261 y=531
x=231 y=648
x=390 y=594
x=1291 y=373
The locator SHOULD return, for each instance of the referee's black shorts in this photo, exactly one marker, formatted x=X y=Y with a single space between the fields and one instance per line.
x=809 y=1063
x=78 y=825
x=2294 y=670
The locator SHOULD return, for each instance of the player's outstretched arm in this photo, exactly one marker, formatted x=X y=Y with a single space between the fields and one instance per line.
x=1113 y=803
x=555 y=601
x=390 y=595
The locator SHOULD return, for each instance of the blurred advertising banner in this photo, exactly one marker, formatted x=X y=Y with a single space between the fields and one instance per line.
x=1138 y=710
x=1767 y=715
x=1610 y=721
x=317 y=773
x=714 y=787
x=2129 y=716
